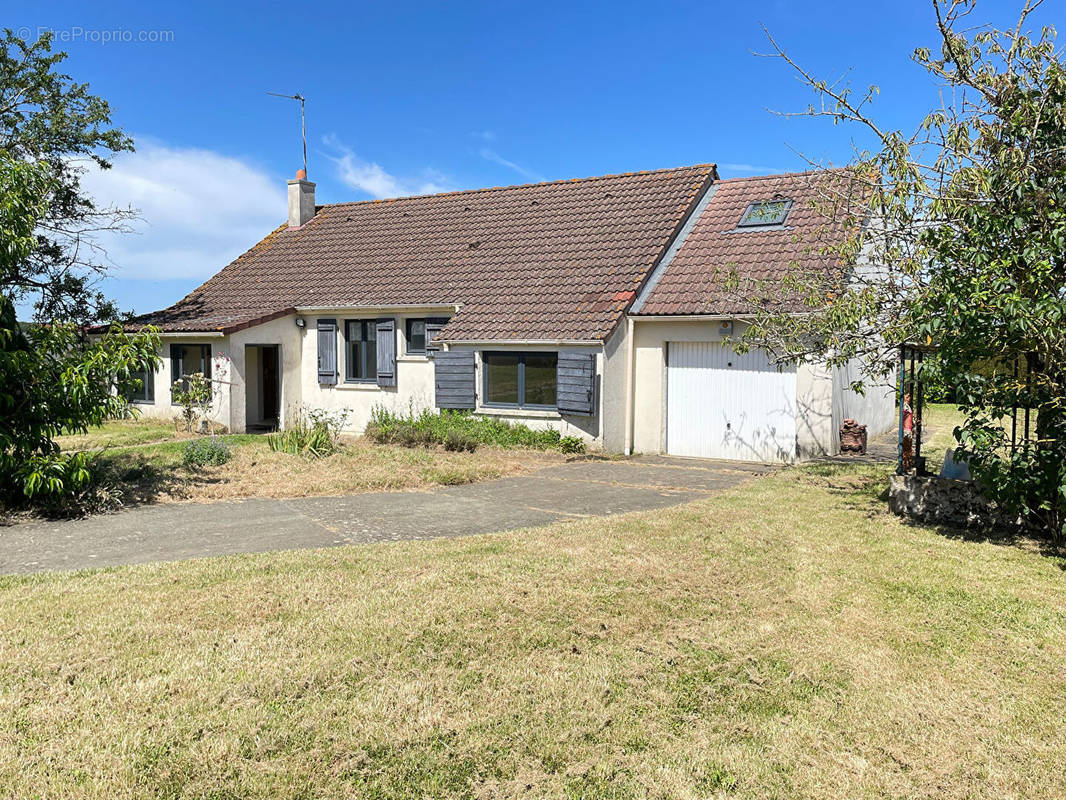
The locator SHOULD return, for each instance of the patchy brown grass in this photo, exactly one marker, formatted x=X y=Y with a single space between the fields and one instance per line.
x=786 y=639
x=359 y=466
x=155 y=474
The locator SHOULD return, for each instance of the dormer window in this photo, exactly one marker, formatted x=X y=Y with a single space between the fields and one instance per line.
x=766 y=213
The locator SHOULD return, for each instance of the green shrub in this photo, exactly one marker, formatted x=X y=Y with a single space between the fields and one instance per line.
x=314 y=433
x=572 y=444
x=459 y=442
x=461 y=430
x=205 y=453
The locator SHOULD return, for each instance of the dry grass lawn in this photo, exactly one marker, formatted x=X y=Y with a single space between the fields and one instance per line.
x=786 y=639
x=143 y=460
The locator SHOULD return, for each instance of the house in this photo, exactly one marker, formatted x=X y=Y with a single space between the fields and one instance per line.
x=595 y=306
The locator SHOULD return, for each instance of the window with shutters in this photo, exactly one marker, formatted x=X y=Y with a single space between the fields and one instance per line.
x=416 y=337
x=360 y=351
x=520 y=380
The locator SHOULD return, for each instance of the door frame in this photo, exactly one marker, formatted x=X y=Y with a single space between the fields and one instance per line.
x=277 y=347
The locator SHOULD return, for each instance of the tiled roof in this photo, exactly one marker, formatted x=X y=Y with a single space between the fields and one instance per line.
x=546 y=261
x=695 y=281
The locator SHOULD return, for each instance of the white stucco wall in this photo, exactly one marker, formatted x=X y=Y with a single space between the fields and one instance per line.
x=816 y=431
x=876 y=408
x=284 y=333
x=613 y=391
x=414 y=373
x=162 y=408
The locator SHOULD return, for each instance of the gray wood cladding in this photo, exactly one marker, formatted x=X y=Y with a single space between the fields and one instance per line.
x=454 y=379
x=576 y=384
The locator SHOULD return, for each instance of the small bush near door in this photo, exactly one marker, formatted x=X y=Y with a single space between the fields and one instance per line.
x=314 y=433
x=459 y=430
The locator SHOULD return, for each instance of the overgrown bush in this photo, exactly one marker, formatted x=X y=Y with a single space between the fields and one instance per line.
x=461 y=430
x=314 y=433
x=206 y=453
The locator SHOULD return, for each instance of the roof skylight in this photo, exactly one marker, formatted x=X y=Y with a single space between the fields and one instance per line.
x=764 y=213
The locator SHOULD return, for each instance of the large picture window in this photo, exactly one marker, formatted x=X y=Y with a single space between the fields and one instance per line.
x=360 y=351
x=520 y=380
x=188 y=359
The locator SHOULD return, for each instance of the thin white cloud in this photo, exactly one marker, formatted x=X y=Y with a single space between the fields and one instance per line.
x=374 y=180
x=198 y=210
x=752 y=168
x=485 y=136
x=491 y=155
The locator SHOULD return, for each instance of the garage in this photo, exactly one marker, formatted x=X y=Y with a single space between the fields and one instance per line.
x=721 y=404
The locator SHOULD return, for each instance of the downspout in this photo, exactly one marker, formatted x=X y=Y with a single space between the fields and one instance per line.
x=630 y=385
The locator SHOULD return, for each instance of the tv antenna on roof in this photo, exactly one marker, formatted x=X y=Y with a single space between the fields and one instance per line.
x=303 y=121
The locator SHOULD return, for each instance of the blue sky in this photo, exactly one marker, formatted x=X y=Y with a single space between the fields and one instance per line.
x=415 y=97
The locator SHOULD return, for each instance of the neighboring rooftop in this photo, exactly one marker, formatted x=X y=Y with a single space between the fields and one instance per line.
x=547 y=261
x=694 y=281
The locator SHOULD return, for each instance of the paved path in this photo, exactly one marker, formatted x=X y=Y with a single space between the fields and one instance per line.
x=175 y=531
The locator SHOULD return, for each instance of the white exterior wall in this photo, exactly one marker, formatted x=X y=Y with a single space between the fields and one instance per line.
x=816 y=433
x=613 y=390
x=162 y=408
x=283 y=333
x=876 y=409
x=414 y=373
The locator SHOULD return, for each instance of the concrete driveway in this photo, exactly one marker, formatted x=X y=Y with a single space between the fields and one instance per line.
x=175 y=531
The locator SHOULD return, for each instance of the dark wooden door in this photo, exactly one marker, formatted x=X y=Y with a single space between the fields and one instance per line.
x=271 y=383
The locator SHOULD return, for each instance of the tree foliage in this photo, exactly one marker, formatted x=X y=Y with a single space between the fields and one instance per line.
x=965 y=248
x=50 y=120
x=53 y=376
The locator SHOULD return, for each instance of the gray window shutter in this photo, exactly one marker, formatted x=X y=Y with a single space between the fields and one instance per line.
x=327 y=352
x=433 y=326
x=454 y=379
x=387 y=351
x=576 y=384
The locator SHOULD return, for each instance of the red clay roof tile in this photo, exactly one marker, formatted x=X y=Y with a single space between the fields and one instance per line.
x=547 y=261
x=694 y=282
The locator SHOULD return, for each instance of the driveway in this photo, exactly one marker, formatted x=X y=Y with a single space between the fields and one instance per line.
x=175 y=531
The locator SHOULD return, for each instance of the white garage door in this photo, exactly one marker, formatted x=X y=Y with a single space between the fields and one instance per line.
x=723 y=405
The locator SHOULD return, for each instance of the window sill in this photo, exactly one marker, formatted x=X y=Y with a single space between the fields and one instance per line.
x=416 y=358
x=534 y=413
x=141 y=402
x=358 y=386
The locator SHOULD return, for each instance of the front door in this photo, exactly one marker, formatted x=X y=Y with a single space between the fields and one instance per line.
x=271 y=374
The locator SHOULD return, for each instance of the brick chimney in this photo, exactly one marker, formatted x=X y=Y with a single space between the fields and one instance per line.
x=301 y=200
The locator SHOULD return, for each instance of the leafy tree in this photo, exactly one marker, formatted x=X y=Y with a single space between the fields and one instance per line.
x=48 y=119
x=53 y=377
x=965 y=248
